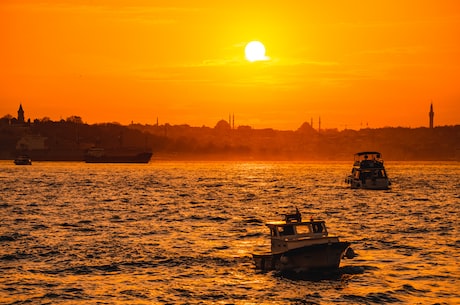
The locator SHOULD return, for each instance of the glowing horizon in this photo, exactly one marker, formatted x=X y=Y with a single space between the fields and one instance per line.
x=354 y=65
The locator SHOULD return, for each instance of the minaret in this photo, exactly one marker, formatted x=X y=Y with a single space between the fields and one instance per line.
x=20 y=114
x=431 y=114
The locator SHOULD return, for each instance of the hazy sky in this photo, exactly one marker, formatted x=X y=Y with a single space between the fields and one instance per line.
x=352 y=63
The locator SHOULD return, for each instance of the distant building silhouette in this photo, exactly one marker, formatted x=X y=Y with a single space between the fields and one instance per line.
x=20 y=114
x=431 y=114
x=223 y=125
x=31 y=142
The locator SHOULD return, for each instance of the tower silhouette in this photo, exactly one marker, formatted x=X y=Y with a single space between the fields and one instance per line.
x=431 y=114
x=20 y=114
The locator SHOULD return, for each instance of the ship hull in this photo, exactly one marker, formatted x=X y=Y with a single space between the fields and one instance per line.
x=313 y=258
x=370 y=184
x=137 y=158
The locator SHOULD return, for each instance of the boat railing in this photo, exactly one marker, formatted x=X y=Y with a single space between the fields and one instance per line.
x=304 y=236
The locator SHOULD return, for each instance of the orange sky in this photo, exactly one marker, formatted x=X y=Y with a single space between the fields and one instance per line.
x=352 y=63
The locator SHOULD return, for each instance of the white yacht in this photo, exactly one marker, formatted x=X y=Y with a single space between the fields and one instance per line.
x=368 y=172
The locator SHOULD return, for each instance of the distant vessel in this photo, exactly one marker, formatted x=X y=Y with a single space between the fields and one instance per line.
x=101 y=155
x=302 y=246
x=23 y=160
x=368 y=172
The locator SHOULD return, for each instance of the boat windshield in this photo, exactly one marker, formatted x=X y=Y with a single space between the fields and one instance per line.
x=286 y=230
x=303 y=229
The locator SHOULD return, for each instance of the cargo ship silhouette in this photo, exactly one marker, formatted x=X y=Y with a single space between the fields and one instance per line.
x=101 y=155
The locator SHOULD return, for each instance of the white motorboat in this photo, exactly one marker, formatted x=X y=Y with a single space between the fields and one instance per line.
x=368 y=172
x=302 y=246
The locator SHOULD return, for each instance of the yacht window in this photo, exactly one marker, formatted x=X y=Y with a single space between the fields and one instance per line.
x=303 y=229
x=317 y=227
x=287 y=230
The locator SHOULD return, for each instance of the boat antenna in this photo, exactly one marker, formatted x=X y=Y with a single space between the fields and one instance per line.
x=298 y=214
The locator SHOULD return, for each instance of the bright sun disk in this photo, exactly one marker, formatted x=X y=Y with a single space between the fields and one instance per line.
x=255 y=51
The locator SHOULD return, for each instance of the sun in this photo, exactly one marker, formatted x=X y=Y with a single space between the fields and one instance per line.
x=255 y=51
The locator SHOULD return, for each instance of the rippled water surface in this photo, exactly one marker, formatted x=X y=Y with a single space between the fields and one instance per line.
x=184 y=233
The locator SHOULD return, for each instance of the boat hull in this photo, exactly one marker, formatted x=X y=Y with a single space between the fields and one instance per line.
x=23 y=160
x=20 y=162
x=313 y=258
x=138 y=158
x=370 y=184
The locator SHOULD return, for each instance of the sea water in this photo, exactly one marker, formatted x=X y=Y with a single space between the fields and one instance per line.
x=184 y=233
